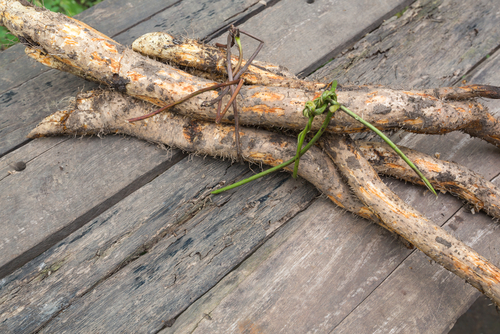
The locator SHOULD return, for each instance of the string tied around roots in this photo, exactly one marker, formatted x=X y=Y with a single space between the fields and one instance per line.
x=327 y=101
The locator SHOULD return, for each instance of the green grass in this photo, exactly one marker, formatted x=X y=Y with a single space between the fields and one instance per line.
x=68 y=7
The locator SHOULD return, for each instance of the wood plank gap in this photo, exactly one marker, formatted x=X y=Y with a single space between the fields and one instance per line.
x=12 y=149
x=472 y=70
x=33 y=157
x=239 y=21
x=142 y=250
x=92 y=213
x=350 y=43
x=396 y=268
x=147 y=18
x=111 y=35
x=401 y=262
x=373 y=290
x=285 y=220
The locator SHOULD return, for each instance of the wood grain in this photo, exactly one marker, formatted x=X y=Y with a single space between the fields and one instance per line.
x=110 y=17
x=104 y=245
x=59 y=190
x=194 y=19
x=430 y=291
x=487 y=71
x=322 y=269
x=38 y=95
x=319 y=30
x=301 y=280
x=432 y=45
x=179 y=257
x=457 y=147
x=26 y=105
x=23 y=107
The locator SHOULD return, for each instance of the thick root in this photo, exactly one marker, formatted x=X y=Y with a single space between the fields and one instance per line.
x=92 y=53
x=402 y=219
x=106 y=112
x=89 y=53
x=212 y=61
x=443 y=175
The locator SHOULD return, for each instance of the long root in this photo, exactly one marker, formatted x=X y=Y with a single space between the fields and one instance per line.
x=443 y=175
x=106 y=112
x=70 y=45
x=90 y=52
x=210 y=61
x=401 y=218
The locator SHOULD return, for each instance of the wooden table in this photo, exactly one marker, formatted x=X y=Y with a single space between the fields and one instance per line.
x=116 y=235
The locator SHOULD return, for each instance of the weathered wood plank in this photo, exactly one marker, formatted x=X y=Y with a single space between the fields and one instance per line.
x=303 y=35
x=430 y=292
x=434 y=305
x=180 y=258
x=108 y=242
x=12 y=163
x=433 y=44
x=327 y=292
x=23 y=107
x=37 y=95
x=59 y=190
x=329 y=277
x=439 y=211
x=110 y=17
x=457 y=147
x=201 y=308
x=487 y=72
x=199 y=18
x=328 y=251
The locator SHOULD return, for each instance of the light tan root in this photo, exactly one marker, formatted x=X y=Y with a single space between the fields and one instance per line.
x=98 y=56
x=106 y=112
x=211 y=61
x=402 y=219
x=443 y=175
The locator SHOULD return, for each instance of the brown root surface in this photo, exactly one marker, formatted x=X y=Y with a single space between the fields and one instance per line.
x=212 y=61
x=98 y=56
x=466 y=92
x=443 y=175
x=57 y=39
x=106 y=112
x=404 y=220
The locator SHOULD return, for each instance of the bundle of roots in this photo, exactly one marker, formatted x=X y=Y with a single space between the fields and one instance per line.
x=344 y=170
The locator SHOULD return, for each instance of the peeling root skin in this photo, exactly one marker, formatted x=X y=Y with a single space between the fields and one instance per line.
x=466 y=92
x=92 y=54
x=211 y=60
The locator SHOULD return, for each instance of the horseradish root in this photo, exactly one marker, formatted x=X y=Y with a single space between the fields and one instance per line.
x=401 y=218
x=88 y=51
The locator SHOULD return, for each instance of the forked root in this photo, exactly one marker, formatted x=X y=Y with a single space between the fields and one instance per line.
x=97 y=56
x=407 y=222
x=77 y=48
x=106 y=112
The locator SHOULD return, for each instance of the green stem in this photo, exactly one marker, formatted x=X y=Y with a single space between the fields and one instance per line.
x=283 y=165
x=392 y=145
x=302 y=136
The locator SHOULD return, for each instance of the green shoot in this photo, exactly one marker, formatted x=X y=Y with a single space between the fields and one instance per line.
x=392 y=145
x=327 y=100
